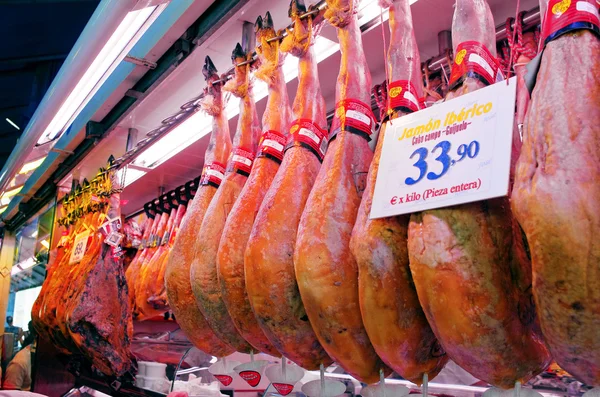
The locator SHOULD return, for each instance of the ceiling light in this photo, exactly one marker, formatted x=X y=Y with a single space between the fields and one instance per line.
x=8 y=195
x=116 y=48
x=12 y=123
x=24 y=265
x=32 y=165
x=131 y=175
x=45 y=244
x=189 y=131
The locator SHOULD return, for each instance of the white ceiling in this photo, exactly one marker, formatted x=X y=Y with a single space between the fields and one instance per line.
x=186 y=82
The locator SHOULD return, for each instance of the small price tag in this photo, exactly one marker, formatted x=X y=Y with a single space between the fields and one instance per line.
x=452 y=153
x=79 y=247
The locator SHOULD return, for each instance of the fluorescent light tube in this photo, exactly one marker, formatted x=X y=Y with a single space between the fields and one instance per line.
x=8 y=195
x=193 y=128
x=116 y=48
x=131 y=175
x=32 y=165
x=12 y=123
x=24 y=265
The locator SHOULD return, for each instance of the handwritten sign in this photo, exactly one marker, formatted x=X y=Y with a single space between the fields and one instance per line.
x=79 y=247
x=452 y=153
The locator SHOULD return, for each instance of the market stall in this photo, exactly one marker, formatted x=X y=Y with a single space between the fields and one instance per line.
x=346 y=197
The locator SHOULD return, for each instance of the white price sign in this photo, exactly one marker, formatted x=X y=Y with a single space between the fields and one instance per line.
x=79 y=247
x=452 y=153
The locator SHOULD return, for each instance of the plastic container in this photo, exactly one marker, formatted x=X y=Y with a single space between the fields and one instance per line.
x=140 y=381
x=142 y=368
x=155 y=370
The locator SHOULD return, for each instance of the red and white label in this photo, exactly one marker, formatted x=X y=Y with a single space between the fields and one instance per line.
x=212 y=173
x=272 y=143
x=403 y=96
x=473 y=58
x=283 y=388
x=578 y=14
x=241 y=159
x=353 y=116
x=224 y=379
x=251 y=377
x=306 y=132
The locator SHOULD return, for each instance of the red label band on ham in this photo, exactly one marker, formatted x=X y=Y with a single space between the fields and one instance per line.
x=272 y=145
x=241 y=161
x=353 y=116
x=212 y=174
x=403 y=97
x=473 y=59
x=305 y=132
x=564 y=16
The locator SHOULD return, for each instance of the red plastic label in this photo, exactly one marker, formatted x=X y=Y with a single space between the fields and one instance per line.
x=473 y=59
x=251 y=377
x=241 y=159
x=272 y=143
x=566 y=15
x=224 y=379
x=353 y=116
x=404 y=97
x=212 y=173
x=283 y=388
x=310 y=135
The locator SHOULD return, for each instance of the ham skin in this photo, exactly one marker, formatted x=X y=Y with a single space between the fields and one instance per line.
x=203 y=270
x=469 y=267
x=269 y=267
x=387 y=293
x=177 y=273
x=230 y=259
x=326 y=272
x=555 y=199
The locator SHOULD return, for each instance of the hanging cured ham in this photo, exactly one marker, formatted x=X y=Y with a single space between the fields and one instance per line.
x=276 y=122
x=387 y=293
x=326 y=271
x=269 y=268
x=152 y=279
x=149 y=268
x=177 y=272
x=76 y=315
x=557 y=185
x=133 y=270
x=470 y=270
x=203 y=271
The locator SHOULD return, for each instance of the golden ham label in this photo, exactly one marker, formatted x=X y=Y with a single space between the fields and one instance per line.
x=561 y=8
x=460 y=56
x=394 y=92
x=452 y=117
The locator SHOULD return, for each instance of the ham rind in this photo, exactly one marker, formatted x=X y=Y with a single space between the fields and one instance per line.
x=268 y=264
x=149 y=274
x=98 y=314
x=387 y=293
x=203 y=270
x=230 y=259
x=555 y=199
x=326 y=272
x=158 y=299
x=177 y=272
x=470 y=269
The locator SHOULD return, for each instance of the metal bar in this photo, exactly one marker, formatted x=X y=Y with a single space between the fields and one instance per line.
x=530 y=19
x=140 y=62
